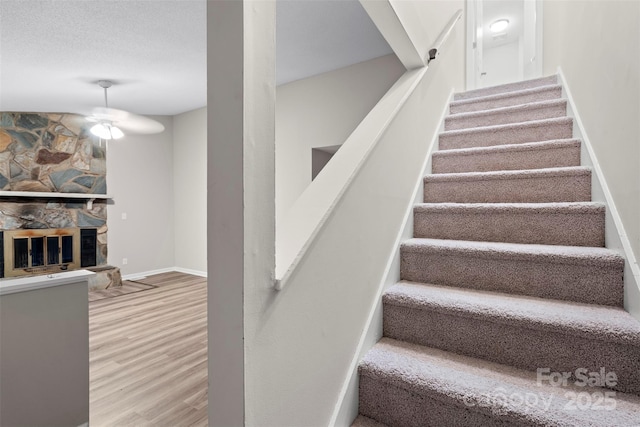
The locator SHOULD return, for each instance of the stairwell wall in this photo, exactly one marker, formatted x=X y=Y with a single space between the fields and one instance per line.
x=597 y=46
x=322 y=111
x=303 y=342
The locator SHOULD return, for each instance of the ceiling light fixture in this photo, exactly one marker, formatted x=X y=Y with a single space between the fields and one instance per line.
x=105 y=129
x=499 y=25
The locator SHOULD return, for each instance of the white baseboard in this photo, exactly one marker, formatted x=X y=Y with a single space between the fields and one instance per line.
x=345 y=409
x=190 y=271
x=144 y=274
x=615 y=234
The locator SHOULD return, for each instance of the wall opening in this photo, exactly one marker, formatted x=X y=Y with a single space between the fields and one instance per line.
x=320 y=156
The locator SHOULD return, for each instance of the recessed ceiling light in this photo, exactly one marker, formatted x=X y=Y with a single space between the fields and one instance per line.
x=499 y=25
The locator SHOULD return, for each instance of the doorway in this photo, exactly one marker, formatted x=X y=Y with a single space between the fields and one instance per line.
x=504 y=41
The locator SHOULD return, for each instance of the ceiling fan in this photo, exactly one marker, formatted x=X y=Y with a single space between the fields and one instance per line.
x=112 y=123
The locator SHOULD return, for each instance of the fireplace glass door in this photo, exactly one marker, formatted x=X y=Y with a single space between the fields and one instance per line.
x=32 y=251
x=41 y=251
x=21 y=253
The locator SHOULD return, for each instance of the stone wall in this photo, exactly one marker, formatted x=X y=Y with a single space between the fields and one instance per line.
x=50 y=153
x=18 y=214
x=53 y=153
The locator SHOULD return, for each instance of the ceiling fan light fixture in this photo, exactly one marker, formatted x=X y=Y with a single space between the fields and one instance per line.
x=116 y=133
x=111 y=123
x=106 y=131
x=499 y=25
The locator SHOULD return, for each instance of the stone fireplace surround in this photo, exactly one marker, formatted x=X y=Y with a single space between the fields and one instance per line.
x=55 y=168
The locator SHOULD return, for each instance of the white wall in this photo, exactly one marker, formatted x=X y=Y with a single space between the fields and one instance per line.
x=596 y=44
x=423 y=21
x=140 y=181
x=319 y=160
x=322 y=111
x=190 y=190
x=502 y=64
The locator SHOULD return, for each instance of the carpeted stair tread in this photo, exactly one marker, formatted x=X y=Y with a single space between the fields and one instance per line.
x=513 y=133
x=566 y=184
x=506 y=115
x=611 y=324
x=411 y=385
x=517 y=174
x=524 y=332
x=553 y=254
x=570 y=273
x=567 y=224
x=509 y=87
x=518 y=97
x=533 y=155
x=524 y=208
x=362 y=421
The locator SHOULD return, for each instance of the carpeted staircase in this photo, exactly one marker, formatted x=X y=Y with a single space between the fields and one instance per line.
x=506 y=284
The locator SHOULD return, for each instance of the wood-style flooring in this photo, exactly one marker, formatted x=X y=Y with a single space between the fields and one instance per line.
x=148 y=354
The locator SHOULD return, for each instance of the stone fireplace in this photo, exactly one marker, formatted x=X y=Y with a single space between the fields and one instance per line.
x=53 y=214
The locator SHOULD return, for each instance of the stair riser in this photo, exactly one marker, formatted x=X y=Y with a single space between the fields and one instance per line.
x=538 y=189
x=396 y=406
x=511 y=87
x=502 y=118
x=592 y=284
x=512 y=160
x=514 y=344
x=579 y=229
x=509 y=135
x=546 y=95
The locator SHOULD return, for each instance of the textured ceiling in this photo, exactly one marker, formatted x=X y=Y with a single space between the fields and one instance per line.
x=53 y=51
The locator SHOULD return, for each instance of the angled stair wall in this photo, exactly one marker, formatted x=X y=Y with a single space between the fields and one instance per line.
x=507 y=273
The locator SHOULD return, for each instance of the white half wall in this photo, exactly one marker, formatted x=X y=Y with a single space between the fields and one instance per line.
x=322 y=111
x=44 y=356
x=140 y=180
x=190 y=190
x=597 y=46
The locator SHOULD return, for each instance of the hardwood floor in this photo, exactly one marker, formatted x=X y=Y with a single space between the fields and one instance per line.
x=148 y=354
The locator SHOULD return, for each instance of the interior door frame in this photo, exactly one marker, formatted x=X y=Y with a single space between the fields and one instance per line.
x=472 y=43
x=474 y=39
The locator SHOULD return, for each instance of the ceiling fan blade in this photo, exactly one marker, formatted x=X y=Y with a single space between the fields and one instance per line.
x=140 y=124
x=109 y=114
x=128 y=122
